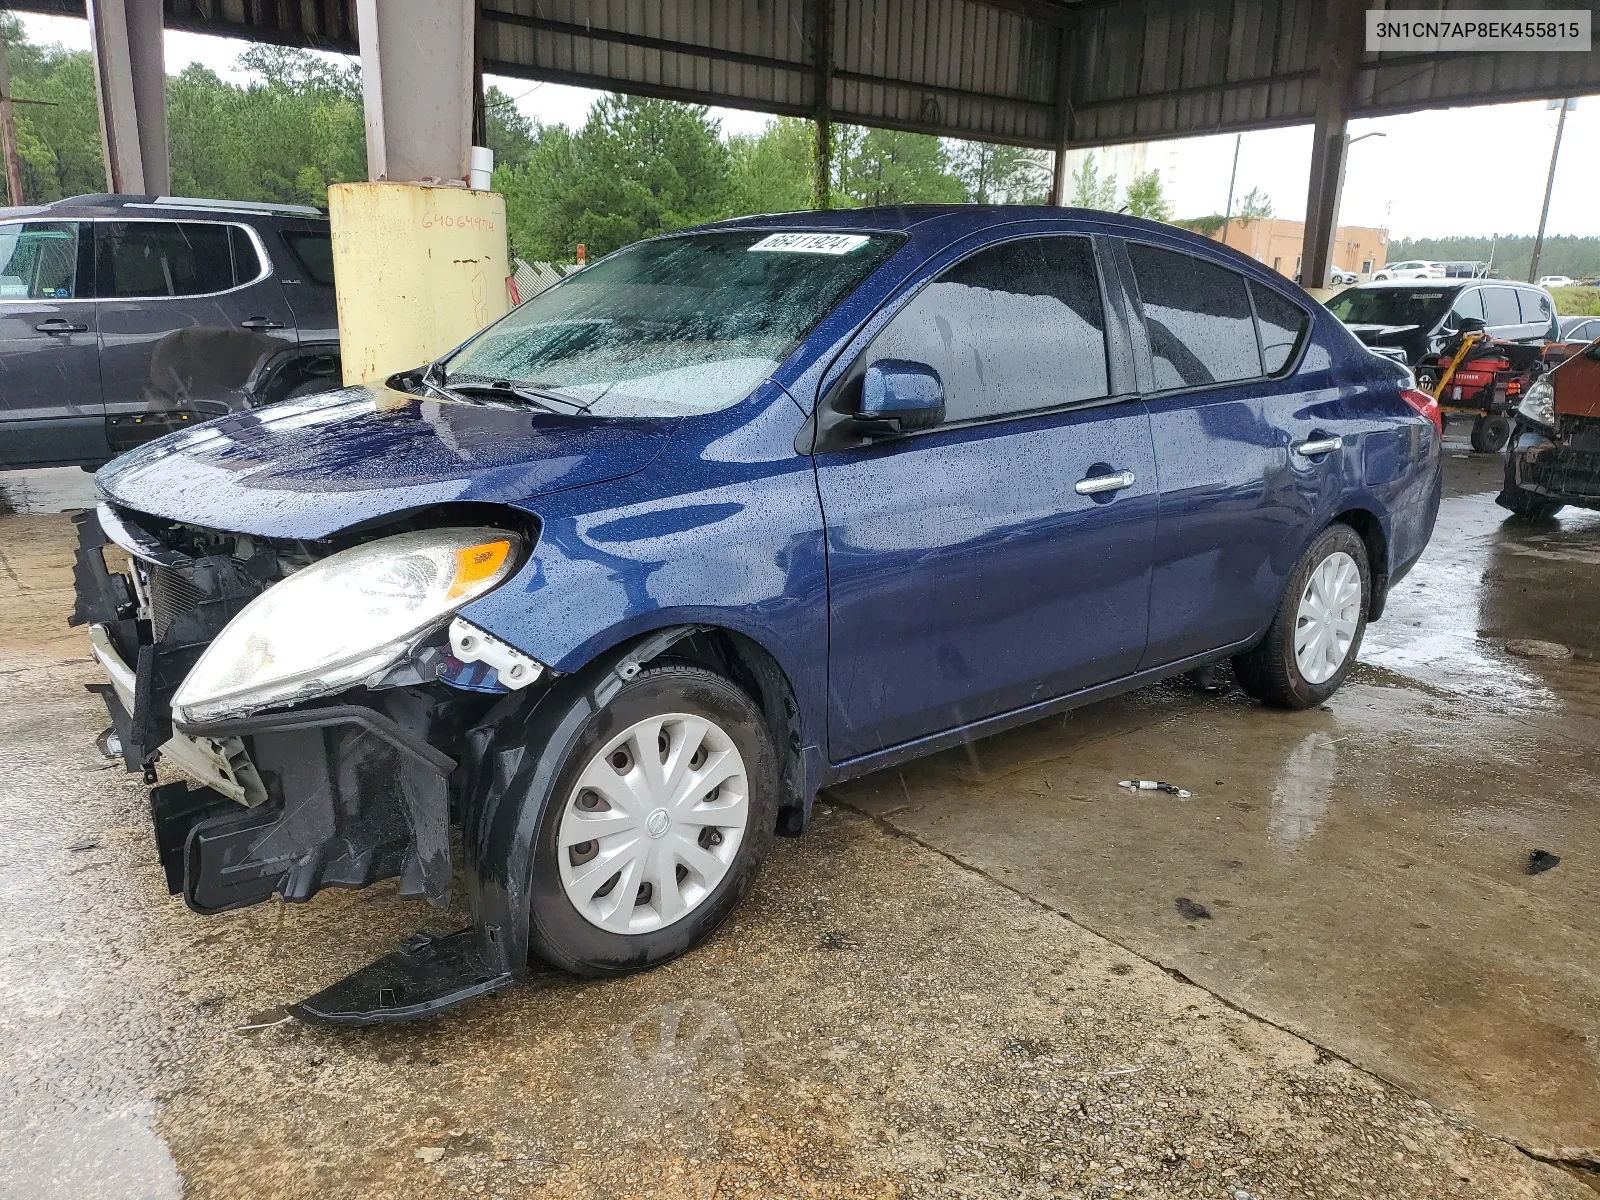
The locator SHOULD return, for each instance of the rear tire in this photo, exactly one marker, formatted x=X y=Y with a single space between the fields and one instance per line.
x=679 y=871
x=1491 y=433
x=1312 y=643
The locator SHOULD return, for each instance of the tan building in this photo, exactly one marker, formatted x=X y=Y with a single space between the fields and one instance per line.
x=1278 y=243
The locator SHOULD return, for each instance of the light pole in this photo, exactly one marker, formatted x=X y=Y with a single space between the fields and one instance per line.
x=1338 y=192
x=1549 y=183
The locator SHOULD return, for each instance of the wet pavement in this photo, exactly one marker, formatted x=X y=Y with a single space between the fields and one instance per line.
x=969 y=979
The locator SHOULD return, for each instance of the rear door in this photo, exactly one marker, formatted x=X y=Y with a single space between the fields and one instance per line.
x=188 y=311
x=50 y=404
x=967 y=574
x=1228 y=420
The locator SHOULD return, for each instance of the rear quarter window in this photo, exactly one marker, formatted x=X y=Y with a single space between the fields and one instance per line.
x=314 y=254
x=1282 y=325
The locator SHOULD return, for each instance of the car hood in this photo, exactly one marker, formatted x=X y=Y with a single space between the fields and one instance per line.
x=1382 y=335
x=310 y=467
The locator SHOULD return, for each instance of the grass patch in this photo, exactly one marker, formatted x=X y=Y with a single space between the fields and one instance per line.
x=1577 y=301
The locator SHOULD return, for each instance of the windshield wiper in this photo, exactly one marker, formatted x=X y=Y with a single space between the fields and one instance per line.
x=504 y=388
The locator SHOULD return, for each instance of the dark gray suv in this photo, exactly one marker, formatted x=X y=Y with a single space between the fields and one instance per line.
x=125 y=317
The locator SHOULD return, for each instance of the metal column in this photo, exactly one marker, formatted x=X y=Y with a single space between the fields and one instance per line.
x=417 y=61
x=1342 y=40
x=130 y=84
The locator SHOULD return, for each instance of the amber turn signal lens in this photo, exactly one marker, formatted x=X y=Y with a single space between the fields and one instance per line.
x=476 y=563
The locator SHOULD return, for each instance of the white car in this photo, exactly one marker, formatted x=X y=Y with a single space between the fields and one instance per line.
x=1412 y=269
x=1340 y=276
x=1550 y=281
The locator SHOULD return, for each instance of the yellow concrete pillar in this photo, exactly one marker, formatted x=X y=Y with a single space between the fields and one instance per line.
x=416 y=269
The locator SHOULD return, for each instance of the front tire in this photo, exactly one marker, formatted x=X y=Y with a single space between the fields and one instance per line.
x=1529 y=506
x=661 y=815
x=1312 y=643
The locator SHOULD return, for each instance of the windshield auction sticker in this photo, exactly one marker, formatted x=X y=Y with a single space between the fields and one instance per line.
x=1477 y=29
x=812 y=243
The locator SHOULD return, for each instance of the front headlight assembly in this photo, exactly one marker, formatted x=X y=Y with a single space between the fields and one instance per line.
x=1539 y=404
x=342 y=620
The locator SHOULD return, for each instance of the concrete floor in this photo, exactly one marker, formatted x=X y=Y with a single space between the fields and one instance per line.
x=970 y=979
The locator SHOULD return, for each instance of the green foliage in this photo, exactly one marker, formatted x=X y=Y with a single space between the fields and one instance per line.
x=58 y=141
x=1205 y=226
x=1145 y=198
x=638 y=167
x=888 y=166
x=506 y=131
x=1256 y=206
x=1577 y=301
x=772 y=169
x=996 y=174
x=1089 y=190
x=1578 y=257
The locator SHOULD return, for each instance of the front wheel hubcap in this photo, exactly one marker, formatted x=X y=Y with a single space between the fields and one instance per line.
x=653 y=823
x=1330 y=611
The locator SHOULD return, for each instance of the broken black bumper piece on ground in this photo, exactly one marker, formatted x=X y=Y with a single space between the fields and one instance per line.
x=427 y=974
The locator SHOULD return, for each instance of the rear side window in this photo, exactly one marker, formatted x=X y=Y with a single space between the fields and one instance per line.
x=246 y=261
x=1500 y=306
x=314 y=253
x=1014 y=328
x=1281 y=325
x=1198 y=318
x=140 y=259
x=38 y=260
x=1535 y=308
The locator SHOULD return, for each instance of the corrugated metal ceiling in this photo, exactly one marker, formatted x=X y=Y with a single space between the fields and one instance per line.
x=1133 y=70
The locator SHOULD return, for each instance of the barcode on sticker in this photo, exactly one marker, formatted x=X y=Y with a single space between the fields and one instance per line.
x=812 y=243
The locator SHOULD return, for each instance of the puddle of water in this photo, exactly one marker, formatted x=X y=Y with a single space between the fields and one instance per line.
x=46 y=490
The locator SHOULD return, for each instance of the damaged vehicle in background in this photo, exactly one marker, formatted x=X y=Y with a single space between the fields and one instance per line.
x=1554 y=459
x=731 y=515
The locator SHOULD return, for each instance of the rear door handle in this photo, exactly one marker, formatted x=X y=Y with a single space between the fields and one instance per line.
x=260 y=323
x=1096 y=484
x=1320 y=446
x=57 y=325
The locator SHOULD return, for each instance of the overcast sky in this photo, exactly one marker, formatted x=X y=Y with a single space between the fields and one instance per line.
x=1467 y=171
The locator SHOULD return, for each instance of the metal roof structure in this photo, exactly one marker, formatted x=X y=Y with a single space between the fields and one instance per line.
x=1040 y=73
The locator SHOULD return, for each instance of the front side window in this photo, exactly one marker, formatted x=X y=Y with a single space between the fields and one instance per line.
x=1468 y=304
x=144 y=259
x=1197 y=316
x=672 y=327
x=1014 y=328
x=38 y=260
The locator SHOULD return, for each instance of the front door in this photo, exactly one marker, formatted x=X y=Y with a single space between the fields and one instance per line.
x=188 y=311
x=50 y=404
x=968 y=573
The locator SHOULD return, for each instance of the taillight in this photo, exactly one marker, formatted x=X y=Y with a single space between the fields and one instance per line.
x=1426 y=405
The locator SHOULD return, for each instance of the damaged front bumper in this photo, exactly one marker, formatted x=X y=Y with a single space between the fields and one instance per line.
x=342 y=791
x=1562 y=465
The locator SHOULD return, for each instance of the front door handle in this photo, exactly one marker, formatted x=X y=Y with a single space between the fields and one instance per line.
x=1096 y=484
x=57 y=325
x=260 y=323
x=1319 y=446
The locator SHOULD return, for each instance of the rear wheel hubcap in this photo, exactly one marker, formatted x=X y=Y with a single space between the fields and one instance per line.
x=1330 y=611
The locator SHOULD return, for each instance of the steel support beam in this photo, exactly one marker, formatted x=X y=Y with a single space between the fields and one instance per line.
x=822 y=108
x=417 y=67
x=131 y=87
x=1058 y=168
x=1343 y=34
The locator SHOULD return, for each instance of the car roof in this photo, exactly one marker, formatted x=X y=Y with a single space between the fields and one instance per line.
x=105 y=204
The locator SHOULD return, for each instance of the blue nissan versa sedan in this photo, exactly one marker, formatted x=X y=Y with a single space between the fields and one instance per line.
x=732 y=514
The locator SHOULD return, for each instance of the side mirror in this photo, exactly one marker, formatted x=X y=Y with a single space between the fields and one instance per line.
x=898 y=397
x=1470 y=325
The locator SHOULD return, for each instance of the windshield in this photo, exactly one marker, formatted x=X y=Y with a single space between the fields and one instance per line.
x=672 y=327
x=1391 y=306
